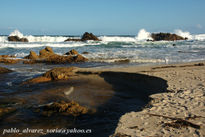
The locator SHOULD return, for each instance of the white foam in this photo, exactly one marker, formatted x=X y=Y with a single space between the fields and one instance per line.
x=199 y=37
x=117 y=39
x=46 y=38
x=16 y=33
x=143 y=35
x=184 y=34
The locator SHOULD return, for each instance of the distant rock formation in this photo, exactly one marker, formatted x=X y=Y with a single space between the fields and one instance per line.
x=89 y=36
x=48 y=56
x=166 y=36
x=86 y=36
x=17 y=39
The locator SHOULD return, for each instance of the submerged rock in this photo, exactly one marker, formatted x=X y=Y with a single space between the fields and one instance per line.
x=17 y=39
x=9 y=61
x=76 y=40
x=62 y=73
x=64 y=108
x=4 y=70
x=166 y=36
x=85 y=52
x=6 y=110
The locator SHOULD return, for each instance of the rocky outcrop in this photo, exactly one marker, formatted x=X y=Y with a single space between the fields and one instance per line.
x=65 y=108
x=86 y=36
x=89 y=36
x=85 y=52
x=4 y=70
x=46 y=53
x=166 y=36
x=8 y=59
x=32 y=56
x=62 y=73
x=72 y=52
x=17 y=39
x=48 y=56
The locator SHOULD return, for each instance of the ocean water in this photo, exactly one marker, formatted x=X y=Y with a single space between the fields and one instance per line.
x=114 y=49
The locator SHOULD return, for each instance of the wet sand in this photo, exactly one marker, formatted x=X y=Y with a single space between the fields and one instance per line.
x=119 y=99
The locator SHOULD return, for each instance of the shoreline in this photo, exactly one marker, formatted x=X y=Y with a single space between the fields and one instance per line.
x=183 y=101
x=177 y=93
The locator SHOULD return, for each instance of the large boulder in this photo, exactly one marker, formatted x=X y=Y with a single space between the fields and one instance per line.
x=47 y=52
x=60 y=73
x=89 y=36
x=17 y=39
x=166 y=36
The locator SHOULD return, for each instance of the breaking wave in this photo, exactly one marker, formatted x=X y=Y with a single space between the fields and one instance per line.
x=58 y=41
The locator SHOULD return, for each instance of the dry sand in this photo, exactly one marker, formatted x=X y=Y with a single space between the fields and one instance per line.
x=179 y=112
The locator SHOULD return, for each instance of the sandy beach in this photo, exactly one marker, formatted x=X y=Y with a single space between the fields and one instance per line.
x=178 y=112
x=162 y=100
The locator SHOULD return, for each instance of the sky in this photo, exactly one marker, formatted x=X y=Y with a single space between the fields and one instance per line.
x=102 y=17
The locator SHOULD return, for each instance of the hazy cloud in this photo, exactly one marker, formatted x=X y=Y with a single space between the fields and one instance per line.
x=199 y=26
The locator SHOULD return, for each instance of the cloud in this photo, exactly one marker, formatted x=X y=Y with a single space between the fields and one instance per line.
x=199 y=26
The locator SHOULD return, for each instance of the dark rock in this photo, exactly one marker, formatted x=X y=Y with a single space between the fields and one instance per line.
x=4 y=70
x=86 y=36
x=166 y=36
x=17 y=39
x=76 y=40
x=89 y=36
x=85 y=52
x=24 y=40
x=72 y=52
